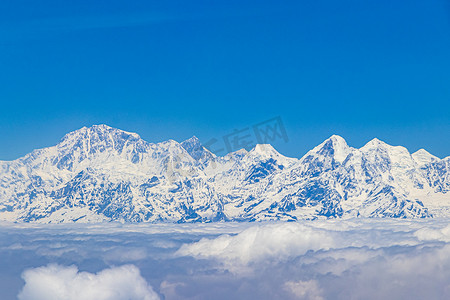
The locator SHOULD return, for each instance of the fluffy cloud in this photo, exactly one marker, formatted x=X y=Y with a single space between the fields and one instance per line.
x=265 y=242
x=67 y=283
x=429 y=234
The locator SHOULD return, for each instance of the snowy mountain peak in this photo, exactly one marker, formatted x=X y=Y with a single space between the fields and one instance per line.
x=98 y=134
x=337 y=139
x=374 y=143
x=335 y=147
x=86 y=146
x=423 y=157
x=377 y=147
x=192 y=140
x=264 y=150
x=194 y=147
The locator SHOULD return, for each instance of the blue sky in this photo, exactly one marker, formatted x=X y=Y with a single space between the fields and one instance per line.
x=173 y=69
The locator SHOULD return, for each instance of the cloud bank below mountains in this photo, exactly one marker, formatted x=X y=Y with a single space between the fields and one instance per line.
x=333 y=259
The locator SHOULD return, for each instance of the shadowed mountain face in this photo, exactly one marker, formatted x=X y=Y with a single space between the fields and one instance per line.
x=102 y=174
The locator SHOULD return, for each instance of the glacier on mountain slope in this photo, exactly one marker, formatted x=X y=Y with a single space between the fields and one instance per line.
x=102 y=174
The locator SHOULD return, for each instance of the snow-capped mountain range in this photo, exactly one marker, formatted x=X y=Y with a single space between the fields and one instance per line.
x=106 y=174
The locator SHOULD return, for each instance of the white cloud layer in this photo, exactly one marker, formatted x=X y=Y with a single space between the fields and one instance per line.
x=332 y=259
x=55 y=282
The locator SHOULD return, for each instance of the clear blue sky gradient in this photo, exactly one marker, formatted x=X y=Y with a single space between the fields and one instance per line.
x=173 y=69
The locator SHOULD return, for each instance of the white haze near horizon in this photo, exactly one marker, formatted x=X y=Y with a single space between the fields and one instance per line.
x=332 y=259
